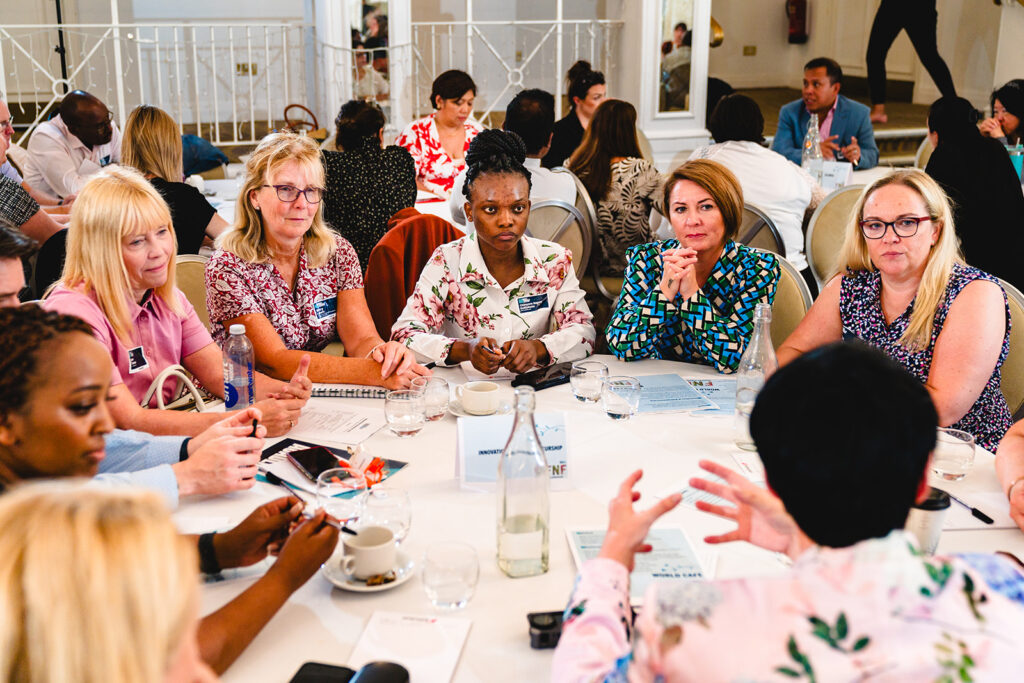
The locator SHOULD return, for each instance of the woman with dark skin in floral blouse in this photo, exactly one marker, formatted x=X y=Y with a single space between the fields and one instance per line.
x=294 y=284
x=693 y=298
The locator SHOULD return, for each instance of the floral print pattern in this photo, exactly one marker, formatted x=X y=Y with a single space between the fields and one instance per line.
x=860 y=310
x=305 y=317
x=456 y=298
x=877 y=610
x=435 y=168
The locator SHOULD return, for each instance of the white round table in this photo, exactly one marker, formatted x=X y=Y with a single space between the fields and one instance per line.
x=321 y=623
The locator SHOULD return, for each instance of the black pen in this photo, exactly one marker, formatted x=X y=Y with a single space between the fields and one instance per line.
x=278 y=481
x=254 y=423
x=974 y=511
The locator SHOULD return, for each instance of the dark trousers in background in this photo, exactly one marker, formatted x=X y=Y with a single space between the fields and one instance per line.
x=919 y=19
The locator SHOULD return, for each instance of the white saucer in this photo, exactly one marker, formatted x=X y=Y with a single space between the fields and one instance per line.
x=331 y=570
x=455 y=408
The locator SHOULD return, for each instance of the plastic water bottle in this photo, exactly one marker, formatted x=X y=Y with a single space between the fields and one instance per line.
x=238 y=372
x=811 y=158
x=756 y=365
x=523 y=506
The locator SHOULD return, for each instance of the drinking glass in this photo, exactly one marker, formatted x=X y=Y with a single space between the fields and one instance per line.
x=450 y=573
x=585 y=378
x=620 y=397
x=436 y=395
x=403 y=410
x=954 y=454
x=340 y=493
x=389 y=507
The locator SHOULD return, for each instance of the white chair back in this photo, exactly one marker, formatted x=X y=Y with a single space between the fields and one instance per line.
x=826 y=231
x=557 y=221
x=792 y=301
x=190 y=273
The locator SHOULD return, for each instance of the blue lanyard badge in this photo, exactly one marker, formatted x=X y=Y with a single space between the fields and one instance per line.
x=529 y=304
x=325 y=308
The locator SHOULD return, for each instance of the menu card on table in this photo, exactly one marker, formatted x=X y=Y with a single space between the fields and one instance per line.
x=481 y=441
x=672 y=557
x=721 y=392
x=341 y=424
x=670 y=393
x=427 y=646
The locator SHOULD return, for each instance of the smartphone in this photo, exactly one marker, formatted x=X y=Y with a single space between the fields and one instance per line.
x=542 y=378
x=312 y=462
x=315 y=672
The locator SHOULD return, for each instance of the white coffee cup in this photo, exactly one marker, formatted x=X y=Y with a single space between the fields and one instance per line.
x=478 y=398
x=371 y=553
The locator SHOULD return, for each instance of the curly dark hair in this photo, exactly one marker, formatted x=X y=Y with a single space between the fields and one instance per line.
x=494 y=151
x=357 y=123
x=24 y=330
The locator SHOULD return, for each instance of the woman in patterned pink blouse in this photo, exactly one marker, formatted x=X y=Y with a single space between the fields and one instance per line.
x=284 y=275
x=438 y=142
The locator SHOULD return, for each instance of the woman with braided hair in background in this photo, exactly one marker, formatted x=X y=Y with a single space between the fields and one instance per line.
x=490 y=298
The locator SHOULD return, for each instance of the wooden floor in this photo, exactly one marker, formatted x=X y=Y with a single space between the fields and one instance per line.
x=901 y=114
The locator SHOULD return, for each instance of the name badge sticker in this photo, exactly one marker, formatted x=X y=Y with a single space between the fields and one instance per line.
x=325 y=308
x=529 y=304
x=137 y=360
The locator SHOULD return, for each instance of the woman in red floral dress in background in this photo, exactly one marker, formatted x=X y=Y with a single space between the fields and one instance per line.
x=438 y=142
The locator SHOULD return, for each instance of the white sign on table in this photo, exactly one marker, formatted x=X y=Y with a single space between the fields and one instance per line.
x=481 y=441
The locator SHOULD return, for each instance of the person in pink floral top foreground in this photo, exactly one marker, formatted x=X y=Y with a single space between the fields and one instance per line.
x=490 y=298
x=863 y=603
x=284 y=275
x=439 y=142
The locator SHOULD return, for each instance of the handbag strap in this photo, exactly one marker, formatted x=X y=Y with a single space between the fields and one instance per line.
x=185 y=385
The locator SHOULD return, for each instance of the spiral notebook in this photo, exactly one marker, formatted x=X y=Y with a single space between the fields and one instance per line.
x=347 y=391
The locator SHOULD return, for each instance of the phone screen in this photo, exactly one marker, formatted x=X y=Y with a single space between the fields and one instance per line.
x=313 y=461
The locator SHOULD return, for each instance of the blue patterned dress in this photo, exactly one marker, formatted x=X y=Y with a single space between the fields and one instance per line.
x=860 y=309
x=712 y=327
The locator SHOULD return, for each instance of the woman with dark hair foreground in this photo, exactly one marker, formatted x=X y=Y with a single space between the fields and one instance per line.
x=497 y=298
x=860 y=601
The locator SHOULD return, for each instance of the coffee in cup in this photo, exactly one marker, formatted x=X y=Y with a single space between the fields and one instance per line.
x=371 y=553
x=478 y=398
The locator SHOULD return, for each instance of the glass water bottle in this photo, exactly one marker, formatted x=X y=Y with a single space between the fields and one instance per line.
x=756 y=365
x=811 y=158
x=523 y=506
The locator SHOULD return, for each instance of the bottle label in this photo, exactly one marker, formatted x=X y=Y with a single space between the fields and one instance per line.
x=252 y=384
x=230 y=395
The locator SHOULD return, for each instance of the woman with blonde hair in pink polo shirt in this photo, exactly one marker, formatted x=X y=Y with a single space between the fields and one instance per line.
x=119 y=278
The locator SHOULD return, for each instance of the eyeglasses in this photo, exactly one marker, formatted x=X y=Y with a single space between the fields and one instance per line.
x=288 y=193
x=7 y=123
x=905 y=226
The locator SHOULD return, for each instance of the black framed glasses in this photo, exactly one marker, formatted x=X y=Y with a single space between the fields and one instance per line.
x=904 y=226
x=289 y=193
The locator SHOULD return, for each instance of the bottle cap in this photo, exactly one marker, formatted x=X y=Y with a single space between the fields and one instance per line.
x=237 y=329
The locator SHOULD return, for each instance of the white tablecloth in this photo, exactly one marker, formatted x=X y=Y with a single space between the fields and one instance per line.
x=322 y=624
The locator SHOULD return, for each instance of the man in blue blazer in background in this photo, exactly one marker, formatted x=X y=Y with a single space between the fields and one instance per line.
x=845 y=125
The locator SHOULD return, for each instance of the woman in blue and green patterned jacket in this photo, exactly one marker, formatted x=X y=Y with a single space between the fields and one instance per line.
x=692 y=298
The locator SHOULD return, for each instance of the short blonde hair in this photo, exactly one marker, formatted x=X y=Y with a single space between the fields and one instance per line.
x=719 y=182
x=246 y=238
x=96 y=586
x=854 y=254
x=151 y=143
x=115 y=203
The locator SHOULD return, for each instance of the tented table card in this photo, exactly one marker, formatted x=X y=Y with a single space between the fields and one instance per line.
x=482 y=439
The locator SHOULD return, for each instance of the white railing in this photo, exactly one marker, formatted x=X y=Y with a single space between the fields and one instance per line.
x=506 y=56
x=199 y=73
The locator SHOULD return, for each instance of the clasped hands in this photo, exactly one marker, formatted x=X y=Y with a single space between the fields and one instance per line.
x=679 y=275
x=760 y=517
x=398 y=366
x=851 y=152
x=518 y=355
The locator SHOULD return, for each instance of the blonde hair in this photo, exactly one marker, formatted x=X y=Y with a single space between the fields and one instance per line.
x=151 y=143
x=97 y=586
x=115 y=203
x=854 y=254
x=246 y=238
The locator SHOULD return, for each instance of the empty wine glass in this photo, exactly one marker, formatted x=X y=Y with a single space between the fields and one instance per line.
x=953 y=455
x=620 y=397
x=403 y=410
x=585 y=378
x=450 y=572
x=339 y=491
x=389 y=507
x=436 y=396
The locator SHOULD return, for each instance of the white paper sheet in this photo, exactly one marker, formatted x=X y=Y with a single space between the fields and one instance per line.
x=339 y=424
x=428 y=646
